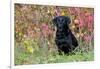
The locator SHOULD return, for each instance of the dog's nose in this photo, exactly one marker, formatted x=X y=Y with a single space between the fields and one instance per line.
x=59 y=26
x=60 y=29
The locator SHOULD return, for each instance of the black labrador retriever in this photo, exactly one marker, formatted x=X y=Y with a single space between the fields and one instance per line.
x=65 y=40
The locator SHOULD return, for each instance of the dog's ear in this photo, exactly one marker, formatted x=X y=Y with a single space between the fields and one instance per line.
x=54 y=21
x=68 y=20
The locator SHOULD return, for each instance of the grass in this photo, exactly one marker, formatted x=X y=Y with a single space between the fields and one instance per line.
x=25 y=58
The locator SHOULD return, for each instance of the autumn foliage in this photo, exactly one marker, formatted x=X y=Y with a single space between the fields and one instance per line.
x=34 y=30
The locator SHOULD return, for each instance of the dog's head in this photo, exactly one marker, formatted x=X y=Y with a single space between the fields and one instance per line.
x=61 y=22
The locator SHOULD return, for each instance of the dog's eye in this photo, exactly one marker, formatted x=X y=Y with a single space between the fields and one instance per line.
x=63 y=21
x=58 y=20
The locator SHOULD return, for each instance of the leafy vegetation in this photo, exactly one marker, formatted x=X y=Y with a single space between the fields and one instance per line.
x=35 y=34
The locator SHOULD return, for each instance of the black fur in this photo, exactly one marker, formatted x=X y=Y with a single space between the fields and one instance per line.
x=65 y=40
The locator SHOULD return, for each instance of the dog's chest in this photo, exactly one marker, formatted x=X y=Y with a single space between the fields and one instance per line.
x=60 y=35
x=63 y=38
